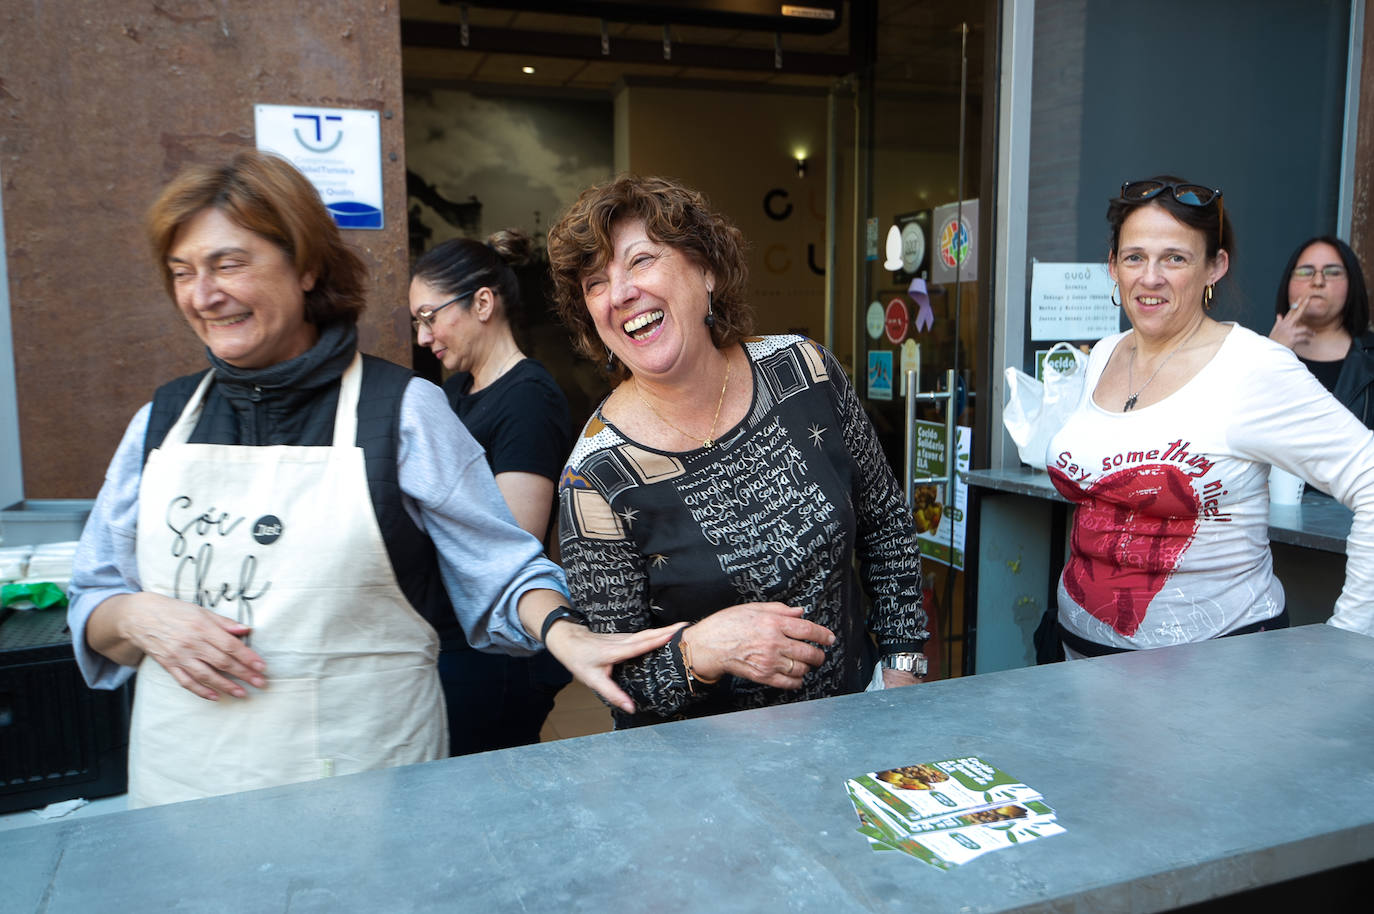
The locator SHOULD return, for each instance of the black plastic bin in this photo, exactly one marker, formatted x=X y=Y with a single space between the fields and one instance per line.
x=59 y=739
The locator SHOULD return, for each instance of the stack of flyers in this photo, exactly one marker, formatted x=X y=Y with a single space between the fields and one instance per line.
x=947 y=813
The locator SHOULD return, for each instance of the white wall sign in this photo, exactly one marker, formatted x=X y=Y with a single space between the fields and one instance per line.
x=1072 y=301
x=338 y=149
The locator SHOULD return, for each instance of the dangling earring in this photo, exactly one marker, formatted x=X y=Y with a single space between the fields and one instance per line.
x=1116 y=291
x=610 y=361
x=710 y=309
x=1207 y=297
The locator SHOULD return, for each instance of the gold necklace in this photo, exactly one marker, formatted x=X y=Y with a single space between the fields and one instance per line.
x=710 y=440
x=1130 y=374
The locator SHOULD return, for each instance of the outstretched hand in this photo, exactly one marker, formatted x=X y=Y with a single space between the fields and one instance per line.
x=1289 y=329
x=590 y=656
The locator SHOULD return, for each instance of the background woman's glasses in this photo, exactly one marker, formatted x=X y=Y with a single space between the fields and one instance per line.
x=1330 y=271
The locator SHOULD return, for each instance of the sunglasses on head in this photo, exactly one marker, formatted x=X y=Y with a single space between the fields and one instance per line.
x=1187 y=194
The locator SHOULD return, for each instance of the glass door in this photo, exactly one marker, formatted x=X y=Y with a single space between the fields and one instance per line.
x=917 y=314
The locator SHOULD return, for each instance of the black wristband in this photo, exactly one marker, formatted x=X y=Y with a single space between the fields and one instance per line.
x=559 y=612
x=917 y=646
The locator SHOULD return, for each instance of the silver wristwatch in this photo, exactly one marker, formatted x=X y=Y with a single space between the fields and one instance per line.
x=915 y=664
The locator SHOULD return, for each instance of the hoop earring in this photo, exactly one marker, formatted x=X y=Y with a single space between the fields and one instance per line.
x=1207 y=297
x=1116 y=291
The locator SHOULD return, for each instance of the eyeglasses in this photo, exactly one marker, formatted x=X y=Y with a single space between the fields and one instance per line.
x=425 y=317
x=1187 y=194
x=1330 y=271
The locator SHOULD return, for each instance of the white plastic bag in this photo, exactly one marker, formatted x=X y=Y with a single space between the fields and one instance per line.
x=1035 y=410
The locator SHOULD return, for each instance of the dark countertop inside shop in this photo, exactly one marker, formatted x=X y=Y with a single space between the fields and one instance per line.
x=1320 y=522
x=1180 y=774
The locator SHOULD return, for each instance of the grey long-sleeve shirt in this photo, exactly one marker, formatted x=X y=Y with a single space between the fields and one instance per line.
x=486 y=560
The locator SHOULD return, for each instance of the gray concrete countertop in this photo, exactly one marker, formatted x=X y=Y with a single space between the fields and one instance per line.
x=1320 y=522
x=1181 y=774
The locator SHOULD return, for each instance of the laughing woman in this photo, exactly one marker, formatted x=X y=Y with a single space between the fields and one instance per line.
x=278 y=536
x=728 y=481
x=1168 y=454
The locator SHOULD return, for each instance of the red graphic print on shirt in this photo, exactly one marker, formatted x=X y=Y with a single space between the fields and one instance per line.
x=1129 y=533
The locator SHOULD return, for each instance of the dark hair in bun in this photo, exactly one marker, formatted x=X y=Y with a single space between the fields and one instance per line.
x=461 y=266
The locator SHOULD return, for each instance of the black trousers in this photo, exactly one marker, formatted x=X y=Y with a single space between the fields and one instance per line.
x=496 y=701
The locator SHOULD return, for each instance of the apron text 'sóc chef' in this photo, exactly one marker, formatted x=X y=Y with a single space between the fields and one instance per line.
x=283 y=539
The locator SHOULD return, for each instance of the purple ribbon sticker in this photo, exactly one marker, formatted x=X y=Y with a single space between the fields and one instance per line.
x=925 y=317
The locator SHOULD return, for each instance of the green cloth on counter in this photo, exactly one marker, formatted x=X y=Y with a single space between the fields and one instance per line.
x=39 y=595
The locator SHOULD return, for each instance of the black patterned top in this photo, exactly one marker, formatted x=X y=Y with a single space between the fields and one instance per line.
x=776 y=510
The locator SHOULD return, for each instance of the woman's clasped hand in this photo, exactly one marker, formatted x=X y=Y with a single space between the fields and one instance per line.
x=768 y=643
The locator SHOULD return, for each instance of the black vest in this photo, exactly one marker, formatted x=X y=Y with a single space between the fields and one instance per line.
x=257 y=418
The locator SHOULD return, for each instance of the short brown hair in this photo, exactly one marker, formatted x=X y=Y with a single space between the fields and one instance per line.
x=673 y=215
x=266 y=195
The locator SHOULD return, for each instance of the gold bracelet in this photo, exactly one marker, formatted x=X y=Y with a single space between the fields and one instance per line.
x=692 y=673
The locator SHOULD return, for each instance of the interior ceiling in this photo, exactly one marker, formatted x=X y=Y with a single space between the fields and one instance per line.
x=918 y=47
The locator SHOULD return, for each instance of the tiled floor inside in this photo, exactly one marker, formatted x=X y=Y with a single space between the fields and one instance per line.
x=577 y=712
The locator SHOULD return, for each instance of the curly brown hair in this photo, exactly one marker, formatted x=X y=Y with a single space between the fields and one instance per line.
x=673 y=214
x=265 y=194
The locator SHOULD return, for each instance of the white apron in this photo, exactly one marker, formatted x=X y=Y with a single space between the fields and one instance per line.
x=283 y=539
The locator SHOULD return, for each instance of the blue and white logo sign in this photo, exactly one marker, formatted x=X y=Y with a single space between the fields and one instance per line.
x=338 y=149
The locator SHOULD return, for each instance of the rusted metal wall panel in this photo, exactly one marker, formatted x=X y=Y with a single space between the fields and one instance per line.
x=100 y=104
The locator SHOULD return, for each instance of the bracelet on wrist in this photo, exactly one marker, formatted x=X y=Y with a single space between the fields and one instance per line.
x=685 y=650
x=907 y=662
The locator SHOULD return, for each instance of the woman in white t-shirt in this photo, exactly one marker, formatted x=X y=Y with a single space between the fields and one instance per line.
x=1168 y=454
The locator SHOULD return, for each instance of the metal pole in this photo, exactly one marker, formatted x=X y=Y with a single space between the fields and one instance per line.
x=832 y=196
x=909 y=452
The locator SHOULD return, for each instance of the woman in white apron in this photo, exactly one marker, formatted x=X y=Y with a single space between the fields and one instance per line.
x=278 y=537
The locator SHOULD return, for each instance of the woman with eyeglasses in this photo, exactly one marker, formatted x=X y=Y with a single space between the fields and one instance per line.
x=1167 y=456
x=464 y=296
x=279 y=536
x=1322 y=313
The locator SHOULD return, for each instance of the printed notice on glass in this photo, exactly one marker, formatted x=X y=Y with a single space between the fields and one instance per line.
x=1072 y=301
x=940 y=524
x=338 y=149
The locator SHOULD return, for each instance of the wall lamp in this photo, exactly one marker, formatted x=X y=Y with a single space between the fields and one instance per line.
x=801 y=164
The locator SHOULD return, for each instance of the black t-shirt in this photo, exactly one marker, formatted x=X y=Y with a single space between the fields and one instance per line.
x=1325 y=372
x=521 y=420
